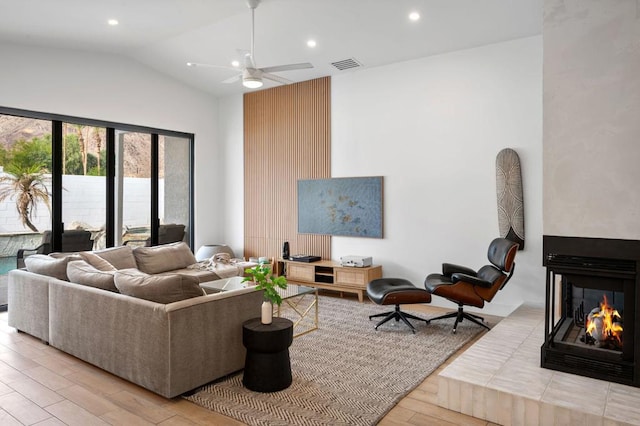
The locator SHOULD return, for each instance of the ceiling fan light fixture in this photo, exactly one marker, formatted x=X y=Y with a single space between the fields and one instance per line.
x=252 y=76
x=251 y=82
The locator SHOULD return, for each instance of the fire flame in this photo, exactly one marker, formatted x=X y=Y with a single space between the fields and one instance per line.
x=611 y=319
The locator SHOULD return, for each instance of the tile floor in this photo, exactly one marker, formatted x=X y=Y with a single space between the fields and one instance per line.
x=512 y=389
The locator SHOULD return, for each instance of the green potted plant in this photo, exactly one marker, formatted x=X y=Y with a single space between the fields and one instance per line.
x=268 y=282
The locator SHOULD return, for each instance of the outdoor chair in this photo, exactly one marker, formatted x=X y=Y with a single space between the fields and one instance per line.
x=169 y=233
x=72 y=240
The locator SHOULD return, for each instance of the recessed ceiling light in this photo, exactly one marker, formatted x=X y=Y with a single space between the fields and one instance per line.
x=191 y=64
x=414 y=16
x=311 y=43
x=113 y=22
x=235 y=64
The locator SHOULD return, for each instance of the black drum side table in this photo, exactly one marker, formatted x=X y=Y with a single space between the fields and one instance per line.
x=267 y=367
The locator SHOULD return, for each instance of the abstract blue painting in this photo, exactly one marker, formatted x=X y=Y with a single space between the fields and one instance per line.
x=341 y=206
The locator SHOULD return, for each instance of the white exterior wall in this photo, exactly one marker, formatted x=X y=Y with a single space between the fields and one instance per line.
x=84 y=203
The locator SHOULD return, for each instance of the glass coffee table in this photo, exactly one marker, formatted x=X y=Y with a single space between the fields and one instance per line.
x=299 y=303
x=224 y=284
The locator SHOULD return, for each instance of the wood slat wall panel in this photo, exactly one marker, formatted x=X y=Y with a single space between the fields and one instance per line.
x=287 y=136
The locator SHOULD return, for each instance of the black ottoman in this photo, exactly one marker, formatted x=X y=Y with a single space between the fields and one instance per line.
x=267 y=367
x=396 y=291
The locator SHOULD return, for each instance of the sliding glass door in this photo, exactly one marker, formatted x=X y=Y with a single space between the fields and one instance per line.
x=132 y=188
x=174 y=183
x=25 y=187
x=84 y=182
x=120 y=182
x=153 y=204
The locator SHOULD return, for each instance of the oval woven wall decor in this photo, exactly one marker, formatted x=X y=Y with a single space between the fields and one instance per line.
x=510 y=199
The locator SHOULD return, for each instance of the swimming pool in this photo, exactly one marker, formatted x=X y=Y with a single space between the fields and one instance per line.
x=7 y=264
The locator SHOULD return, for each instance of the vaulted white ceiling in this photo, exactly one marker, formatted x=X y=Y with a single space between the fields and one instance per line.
x=166 y=34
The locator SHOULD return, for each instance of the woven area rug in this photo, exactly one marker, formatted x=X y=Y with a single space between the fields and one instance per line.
x=345 y=373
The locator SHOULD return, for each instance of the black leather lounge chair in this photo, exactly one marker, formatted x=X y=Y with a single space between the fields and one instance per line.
x=467 y=287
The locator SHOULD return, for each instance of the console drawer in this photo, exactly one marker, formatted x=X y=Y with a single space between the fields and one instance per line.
x=300 y=272
x=351 y=277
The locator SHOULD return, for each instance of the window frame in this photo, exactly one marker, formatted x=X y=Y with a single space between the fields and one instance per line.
x=57 y=120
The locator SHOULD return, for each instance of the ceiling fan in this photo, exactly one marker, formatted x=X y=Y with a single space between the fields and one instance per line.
x=251 y=75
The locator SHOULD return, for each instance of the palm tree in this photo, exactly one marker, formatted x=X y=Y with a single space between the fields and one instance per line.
x=25 y=183
x=83 y=146
x=98 y=140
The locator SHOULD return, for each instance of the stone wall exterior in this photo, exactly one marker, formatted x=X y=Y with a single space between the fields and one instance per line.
x=11 y=243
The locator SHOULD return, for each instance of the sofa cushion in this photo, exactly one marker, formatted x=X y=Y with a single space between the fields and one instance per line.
x=203 y=275
x=96 y=261
x=163 y=258
x=157 y=288
x=49 y=266
x=81 y=272
x=120 y=257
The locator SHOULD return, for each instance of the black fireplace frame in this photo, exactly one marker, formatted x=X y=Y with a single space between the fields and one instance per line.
x=595 y=262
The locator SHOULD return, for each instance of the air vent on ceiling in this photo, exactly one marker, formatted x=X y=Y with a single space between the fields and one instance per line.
x=346 y=64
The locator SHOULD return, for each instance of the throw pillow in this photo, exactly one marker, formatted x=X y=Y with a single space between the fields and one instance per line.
x=49 y=266
x=96 y=261
x=120 y=257
x=81 y=272
x=163 y=258
x=156 y=288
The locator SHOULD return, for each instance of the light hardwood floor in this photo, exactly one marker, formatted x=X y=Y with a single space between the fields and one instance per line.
x=44 y=386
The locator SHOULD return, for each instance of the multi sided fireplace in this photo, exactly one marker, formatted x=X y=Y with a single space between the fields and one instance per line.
x=592 y=308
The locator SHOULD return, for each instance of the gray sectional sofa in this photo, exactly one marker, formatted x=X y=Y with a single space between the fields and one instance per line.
x=168 y=348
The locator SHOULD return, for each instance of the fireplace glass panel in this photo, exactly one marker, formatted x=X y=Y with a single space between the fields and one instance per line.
x=597 y=315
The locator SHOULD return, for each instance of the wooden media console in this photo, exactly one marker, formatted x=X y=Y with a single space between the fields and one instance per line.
x=331 y=275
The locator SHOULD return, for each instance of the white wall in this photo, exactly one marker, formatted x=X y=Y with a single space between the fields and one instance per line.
x=231 y=187
x=432 y=127
x=114 y=88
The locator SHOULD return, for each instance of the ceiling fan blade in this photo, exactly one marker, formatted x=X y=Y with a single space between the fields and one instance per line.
x=200 y=65
x=233 y=79
x=242 y=55
x=289 y=67
x=276 y=78
x=248 y=61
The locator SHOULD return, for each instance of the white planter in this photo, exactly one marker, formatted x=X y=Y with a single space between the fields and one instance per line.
x=267 y=312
